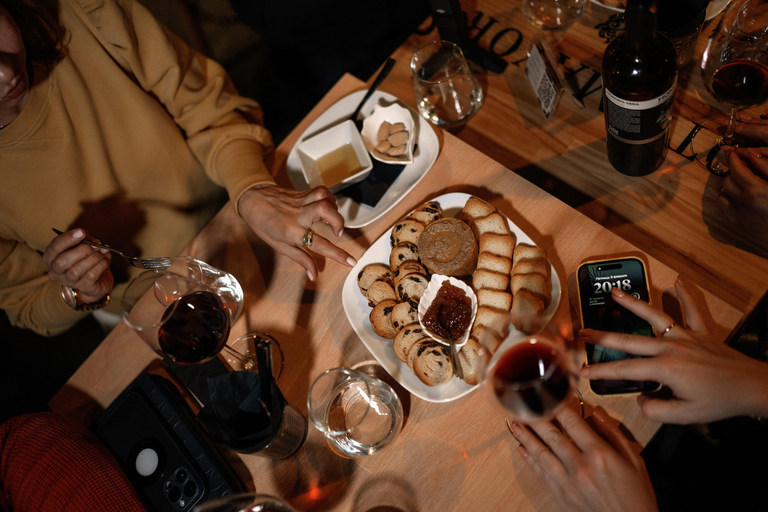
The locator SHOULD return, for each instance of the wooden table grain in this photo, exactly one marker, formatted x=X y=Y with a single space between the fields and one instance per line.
x=671 y=214
x=448 y=456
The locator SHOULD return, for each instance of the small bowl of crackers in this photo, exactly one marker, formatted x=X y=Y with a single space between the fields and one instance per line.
x=388 y=134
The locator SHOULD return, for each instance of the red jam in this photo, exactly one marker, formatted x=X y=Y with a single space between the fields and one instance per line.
x=450 y=312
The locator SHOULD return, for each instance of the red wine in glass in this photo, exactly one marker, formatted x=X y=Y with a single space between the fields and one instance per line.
x=734 y=69
x=194 y=328
x=741 y=83
x=531 y=379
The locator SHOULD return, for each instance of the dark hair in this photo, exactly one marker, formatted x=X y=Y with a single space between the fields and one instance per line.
x=41 y=31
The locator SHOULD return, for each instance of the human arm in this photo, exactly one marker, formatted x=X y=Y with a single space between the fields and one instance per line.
x=588 y=467
x=221 y=128
x=709 y=380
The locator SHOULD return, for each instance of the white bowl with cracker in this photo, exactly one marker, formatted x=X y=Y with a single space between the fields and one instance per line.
x=435 y=283
x=388 y=134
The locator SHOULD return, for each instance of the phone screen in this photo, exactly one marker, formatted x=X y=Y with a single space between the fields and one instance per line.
x=599 y=311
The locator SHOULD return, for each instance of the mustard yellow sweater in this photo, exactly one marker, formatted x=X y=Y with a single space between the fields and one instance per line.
x=131 y=136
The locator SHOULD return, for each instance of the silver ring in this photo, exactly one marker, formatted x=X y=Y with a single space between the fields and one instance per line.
x=308 y=238
x=671 y=326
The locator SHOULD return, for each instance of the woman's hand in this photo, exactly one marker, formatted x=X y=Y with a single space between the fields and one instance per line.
x=594 y=468
x=710 y=381
x=743 y=195
x=281 y=217
x=82 y=267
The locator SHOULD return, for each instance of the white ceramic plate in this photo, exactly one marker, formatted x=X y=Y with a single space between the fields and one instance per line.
x=715 y=6
x=357 y=309
x=357 y=215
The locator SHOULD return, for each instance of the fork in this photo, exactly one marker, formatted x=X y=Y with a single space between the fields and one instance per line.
x=145 y=263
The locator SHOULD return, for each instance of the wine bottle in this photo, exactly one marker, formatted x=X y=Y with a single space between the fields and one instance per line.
x=639 y=79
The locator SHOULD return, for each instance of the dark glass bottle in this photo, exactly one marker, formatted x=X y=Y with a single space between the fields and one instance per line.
x=639 y=78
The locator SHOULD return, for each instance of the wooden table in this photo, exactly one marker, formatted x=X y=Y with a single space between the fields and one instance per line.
x=671 y=214
x=451 y=456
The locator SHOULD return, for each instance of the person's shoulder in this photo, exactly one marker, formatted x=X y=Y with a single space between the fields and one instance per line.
x=100 y=12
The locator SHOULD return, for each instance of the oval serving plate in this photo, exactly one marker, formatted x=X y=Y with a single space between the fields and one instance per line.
x=357 y=309
x=425 y=153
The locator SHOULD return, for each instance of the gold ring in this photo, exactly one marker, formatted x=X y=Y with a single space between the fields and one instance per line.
x=308 y=238
x=673 y=324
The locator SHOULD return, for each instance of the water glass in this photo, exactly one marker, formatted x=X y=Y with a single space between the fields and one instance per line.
x=553 y=14
x=447 y=92
x=357 y=413
x=245 y=502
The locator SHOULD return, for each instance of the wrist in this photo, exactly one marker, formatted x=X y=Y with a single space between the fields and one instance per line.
x=74 y=299
x=757 y=391
x=246 y=194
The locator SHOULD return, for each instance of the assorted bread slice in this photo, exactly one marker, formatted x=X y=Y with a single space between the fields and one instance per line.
x=509 y=279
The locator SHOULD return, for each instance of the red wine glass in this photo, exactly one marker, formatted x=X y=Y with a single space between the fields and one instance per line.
x=734 y=69
x=185 y=311
x=529 y=376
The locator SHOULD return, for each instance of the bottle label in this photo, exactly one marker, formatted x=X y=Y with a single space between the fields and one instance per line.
x=639 y=122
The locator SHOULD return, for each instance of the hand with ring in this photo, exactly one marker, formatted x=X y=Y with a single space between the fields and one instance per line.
x=79 y=266
x=709 y=380
x=283 y=218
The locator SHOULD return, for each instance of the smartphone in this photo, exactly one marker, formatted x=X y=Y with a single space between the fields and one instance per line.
x=595 y=280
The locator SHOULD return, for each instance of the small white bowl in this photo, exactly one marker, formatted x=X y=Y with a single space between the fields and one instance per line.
x=393 y=114
x=429 y=295
x=313 y=149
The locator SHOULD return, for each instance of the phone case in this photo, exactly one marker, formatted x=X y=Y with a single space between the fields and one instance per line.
x=168 y=457
x=581 y=318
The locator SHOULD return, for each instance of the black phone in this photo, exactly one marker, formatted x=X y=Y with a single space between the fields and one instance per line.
x=595 y=280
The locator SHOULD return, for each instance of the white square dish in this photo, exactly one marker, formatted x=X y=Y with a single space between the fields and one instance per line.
x=335 y=157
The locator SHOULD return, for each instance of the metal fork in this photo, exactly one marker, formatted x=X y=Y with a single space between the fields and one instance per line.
x=145 y=263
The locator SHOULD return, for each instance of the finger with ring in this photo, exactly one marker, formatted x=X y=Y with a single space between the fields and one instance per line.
x=669 y=328
x=308 y=236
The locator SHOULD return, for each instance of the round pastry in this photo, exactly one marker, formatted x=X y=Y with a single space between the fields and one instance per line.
x=430 y=362
x=402 y=252
x=448 y=247
x=411 y=287
x=381 y=319
x=370 y=273
x=405 y=313
x=407 y=230
x=405 y=339
x=409 y=267
x=427 y=213
x=380 y=290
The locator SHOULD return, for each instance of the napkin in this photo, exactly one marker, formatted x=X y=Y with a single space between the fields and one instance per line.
x=242 y=413
x=372 y=189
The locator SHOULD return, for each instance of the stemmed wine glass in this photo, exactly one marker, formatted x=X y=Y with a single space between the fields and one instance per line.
x=734 y=69
x=529 y=376
x=185 y=311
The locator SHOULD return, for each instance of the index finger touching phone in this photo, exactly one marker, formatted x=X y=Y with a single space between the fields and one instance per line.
x=657 y=318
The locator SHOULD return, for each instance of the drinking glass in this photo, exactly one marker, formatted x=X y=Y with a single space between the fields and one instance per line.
x=734 y=68
x=447 y=92
x=358 y=414
x=185 y=311
x=245 y=502
x=529 y=376
x=553 y=14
